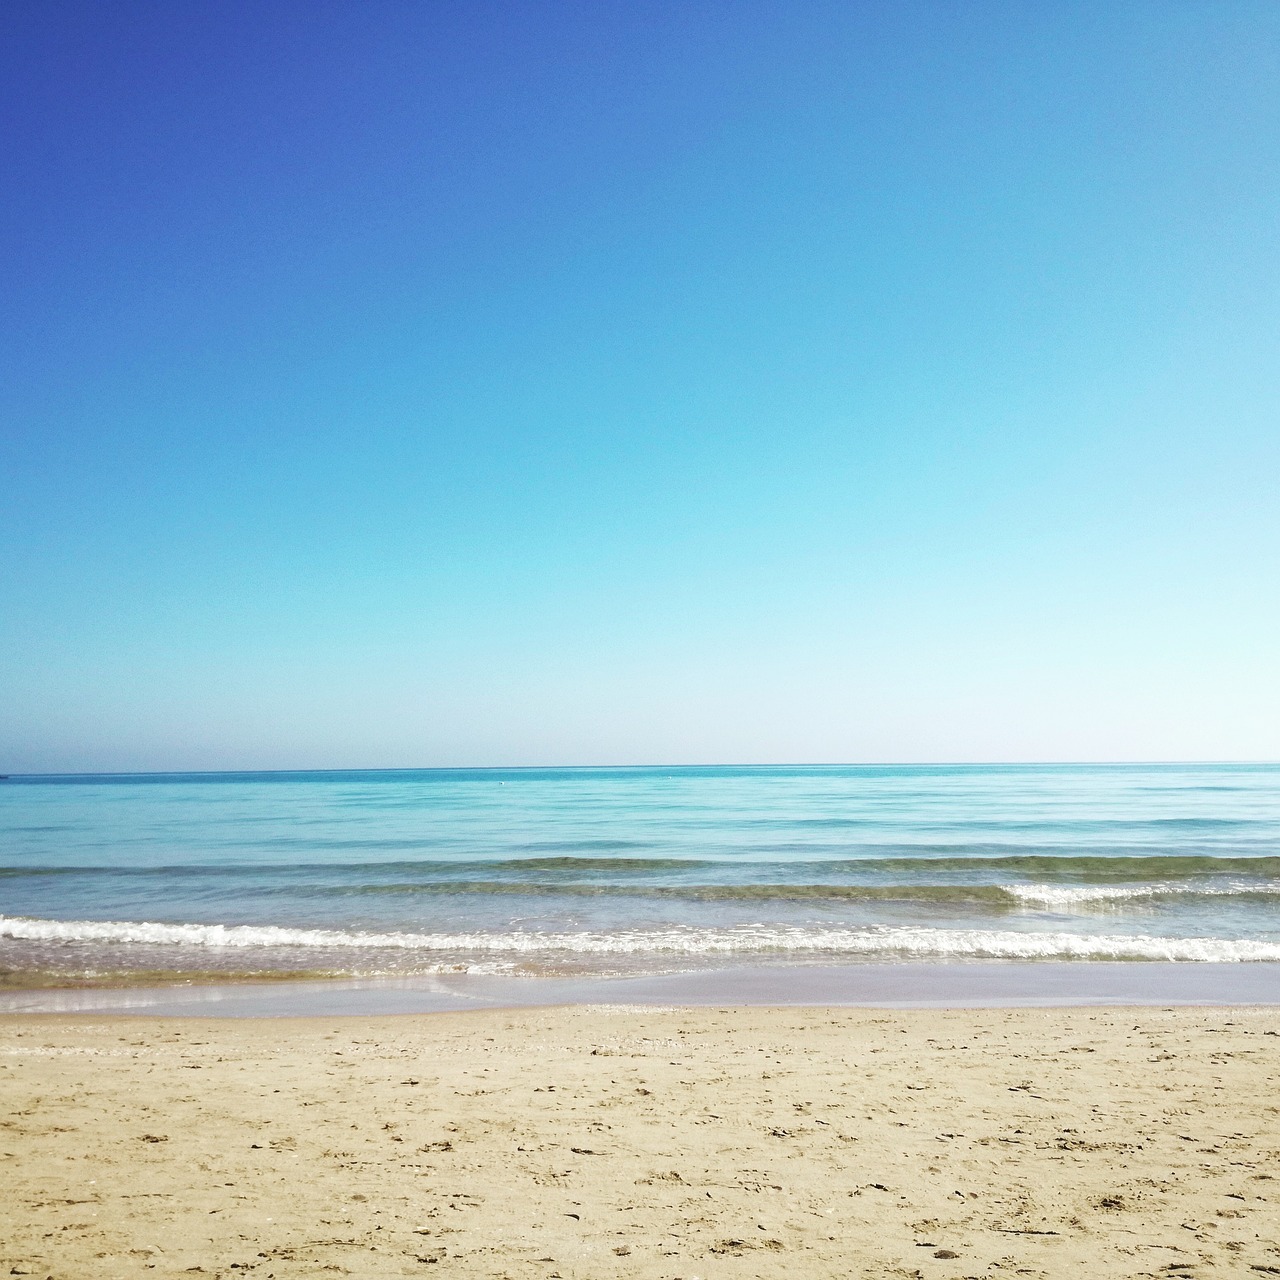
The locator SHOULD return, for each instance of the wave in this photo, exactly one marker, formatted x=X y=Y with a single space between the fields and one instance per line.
x=881 y=943
x=995 y=897
x=1065 y=896
x=1086 y=868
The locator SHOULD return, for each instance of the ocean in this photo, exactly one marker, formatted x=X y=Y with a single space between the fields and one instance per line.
x=637 y=871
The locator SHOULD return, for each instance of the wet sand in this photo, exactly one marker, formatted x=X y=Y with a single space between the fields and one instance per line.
x=646 y=1142
x=973 y=984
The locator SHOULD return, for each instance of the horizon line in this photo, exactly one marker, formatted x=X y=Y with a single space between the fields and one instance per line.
x=531 y=768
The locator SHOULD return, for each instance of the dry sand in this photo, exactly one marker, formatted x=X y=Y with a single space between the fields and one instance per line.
x=600 y=1142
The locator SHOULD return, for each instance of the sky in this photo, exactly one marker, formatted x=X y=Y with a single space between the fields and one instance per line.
x=426 y=384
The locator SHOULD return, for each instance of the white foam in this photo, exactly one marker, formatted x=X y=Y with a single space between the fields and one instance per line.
x=670 y=942
x=1066 y=896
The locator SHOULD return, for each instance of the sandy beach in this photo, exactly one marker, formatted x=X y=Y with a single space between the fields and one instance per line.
x=584 y=1142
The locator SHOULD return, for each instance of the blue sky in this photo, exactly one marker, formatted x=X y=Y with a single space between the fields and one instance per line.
x=426 y=384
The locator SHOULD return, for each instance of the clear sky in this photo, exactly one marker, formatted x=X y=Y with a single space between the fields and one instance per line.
x=392 y=384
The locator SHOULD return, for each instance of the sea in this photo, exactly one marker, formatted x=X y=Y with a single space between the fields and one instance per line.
x=624 y=872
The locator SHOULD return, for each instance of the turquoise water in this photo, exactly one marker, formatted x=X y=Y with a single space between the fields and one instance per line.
x=639 y=870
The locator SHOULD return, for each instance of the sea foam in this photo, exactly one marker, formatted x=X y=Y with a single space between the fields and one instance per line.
x=1067 y=896
x=739 y=941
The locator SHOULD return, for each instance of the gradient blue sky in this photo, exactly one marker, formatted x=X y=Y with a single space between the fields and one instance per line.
x=465 y=383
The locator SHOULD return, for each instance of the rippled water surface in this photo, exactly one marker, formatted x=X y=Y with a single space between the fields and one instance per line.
x=638 y=870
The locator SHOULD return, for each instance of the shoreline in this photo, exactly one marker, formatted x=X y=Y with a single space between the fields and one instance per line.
x=124 y=979
x=903 y=985
x=646 y=1143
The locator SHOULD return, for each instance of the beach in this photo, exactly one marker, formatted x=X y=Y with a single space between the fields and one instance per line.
x=670 y=1023
x=648 y=1142
x=638 y=641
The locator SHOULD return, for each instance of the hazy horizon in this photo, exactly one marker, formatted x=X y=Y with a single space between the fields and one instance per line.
x=651 y=766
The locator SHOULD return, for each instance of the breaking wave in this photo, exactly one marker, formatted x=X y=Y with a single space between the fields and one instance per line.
x=741 y=941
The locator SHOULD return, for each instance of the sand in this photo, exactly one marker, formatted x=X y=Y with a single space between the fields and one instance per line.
x=594 y=1142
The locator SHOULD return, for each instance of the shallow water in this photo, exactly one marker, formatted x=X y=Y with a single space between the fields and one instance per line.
x=639 y=871
x=922 y=984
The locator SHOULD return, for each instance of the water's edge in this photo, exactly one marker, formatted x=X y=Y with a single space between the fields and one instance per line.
x=903 y=986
